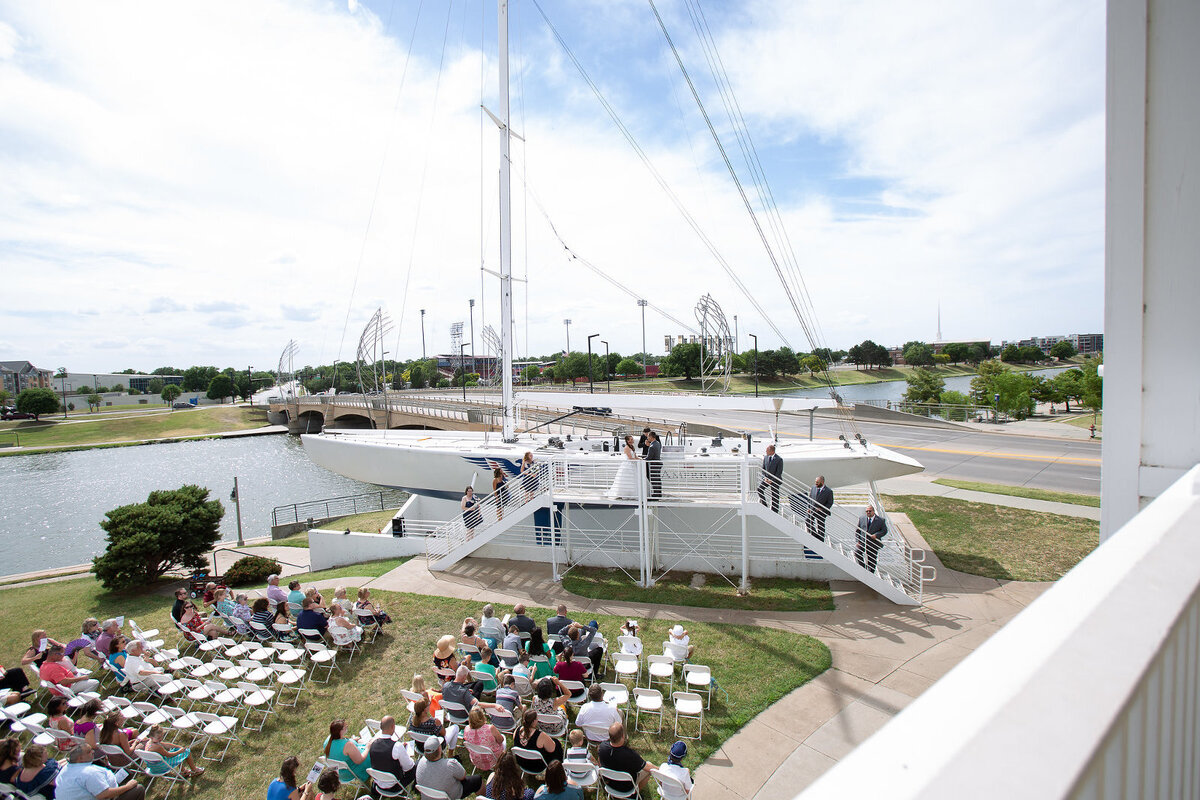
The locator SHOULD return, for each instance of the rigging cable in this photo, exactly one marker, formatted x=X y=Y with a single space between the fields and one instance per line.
x=674 y=198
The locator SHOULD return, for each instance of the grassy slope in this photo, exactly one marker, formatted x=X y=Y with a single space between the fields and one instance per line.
x=767 y=594
x=998 y=541
x=150 y=426
x=368 y=522
x=1023 y=491
x=755 y=666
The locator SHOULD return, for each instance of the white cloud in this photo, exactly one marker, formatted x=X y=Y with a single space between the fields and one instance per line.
x=228 y=162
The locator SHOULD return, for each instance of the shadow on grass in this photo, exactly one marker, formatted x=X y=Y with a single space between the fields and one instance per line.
x=974 y=564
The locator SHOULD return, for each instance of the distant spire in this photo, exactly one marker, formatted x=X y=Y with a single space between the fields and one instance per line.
x=939 y=336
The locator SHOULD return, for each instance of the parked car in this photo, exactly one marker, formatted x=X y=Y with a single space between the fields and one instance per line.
x=181 y=404
x=8 y=415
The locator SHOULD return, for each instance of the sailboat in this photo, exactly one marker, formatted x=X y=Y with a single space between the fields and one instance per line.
x=437 y=465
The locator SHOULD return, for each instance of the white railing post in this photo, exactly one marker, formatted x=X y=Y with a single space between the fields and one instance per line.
x=553 y=555
x=644 y=468
x=743 y=488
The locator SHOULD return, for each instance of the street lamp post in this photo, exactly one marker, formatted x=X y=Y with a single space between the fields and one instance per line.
x=735 y=335
x=642 y=304
x=591 y=369
x=422 y=334
x=567 y=322
x=472 y=304
x=607 y=378
x=755 y=338
x=462 y=348
x=63 y=375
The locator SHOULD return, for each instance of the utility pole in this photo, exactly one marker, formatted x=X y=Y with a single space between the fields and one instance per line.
x=422 y=334
x=250 y=383
x=735 y=335
x=462 y=349
x=236 y=497
x=642 y=304
x=607 y=378
x=567 y=322
x=755 y=338
x=591 y=368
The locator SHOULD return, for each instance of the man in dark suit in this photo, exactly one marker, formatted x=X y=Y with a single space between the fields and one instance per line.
x=820 y=500
x=654 y=464
x=772 y=477
x=871 y=530
x=644 y=441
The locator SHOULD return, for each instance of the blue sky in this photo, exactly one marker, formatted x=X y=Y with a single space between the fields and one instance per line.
x=202 y=184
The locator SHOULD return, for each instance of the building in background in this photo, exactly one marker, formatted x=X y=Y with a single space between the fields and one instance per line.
x=87 y=382
x=17 y=376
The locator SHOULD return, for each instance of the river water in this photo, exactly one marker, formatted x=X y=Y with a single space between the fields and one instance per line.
x=894 y=390
x=51 y=504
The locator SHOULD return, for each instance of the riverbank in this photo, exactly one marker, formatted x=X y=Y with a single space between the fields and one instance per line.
x=208 y=422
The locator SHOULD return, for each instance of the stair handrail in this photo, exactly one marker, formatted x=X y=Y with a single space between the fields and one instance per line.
x=519 y=490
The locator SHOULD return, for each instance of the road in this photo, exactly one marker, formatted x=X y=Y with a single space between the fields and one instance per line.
x=1041 y=462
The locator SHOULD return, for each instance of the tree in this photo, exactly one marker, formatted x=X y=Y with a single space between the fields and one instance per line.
x=4 y=397
x=825 y=354
x=628 y=366
x=877 y=354
x=117 y=387
x=93 y=401
x=1011 y=353
x=531 y=373
x=981 y=385
x=197 y=379
x=856 y=356
x=957 y=351
x=786 y=361
x=684 y=360
x=614 y=360
x=548 y=374
x=978 y=353
x=1063 y=350
x=917 y=354
x=37 y=402
x=173 y=529
x=1069 y=385
x=102 y=388
x=814 y=364
x=1093 y=385
x=954 y=398
x=220 y=387
x=924 y=386
x=170 y=393
x=1032 y=354
x=1015 y=390
x=154 y=386
x=165 y=371
x=133 y=391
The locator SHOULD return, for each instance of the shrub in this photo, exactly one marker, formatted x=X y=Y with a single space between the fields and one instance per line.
x=171 y=530
x=251 y=569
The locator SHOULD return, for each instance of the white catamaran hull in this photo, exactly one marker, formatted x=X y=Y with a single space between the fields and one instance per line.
x=443 y=463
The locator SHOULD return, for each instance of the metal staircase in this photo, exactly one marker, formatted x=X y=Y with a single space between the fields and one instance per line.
x=453 y=541
x=900 y=573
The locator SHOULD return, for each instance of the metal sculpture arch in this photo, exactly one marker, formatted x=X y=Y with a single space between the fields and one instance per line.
x=716 y=345
x=286 y=371
x=369 y=362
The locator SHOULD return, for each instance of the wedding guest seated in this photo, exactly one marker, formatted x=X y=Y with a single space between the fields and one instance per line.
x=173 y=755
x=347 y=748
x=14 y=685
x=530 y=736
x=36 y=654
x=108 y=631
x=445 y=657
x=630 y=643
x=439 y=772
x=208 y=597
x=680 y=643
x=490 y=627
x=578 y=749
x=237 y=610
x=468 y=635
x=181 y=597
x=317 y=601
x=10 y=757
x=56 y=715
x=512 y=640
x=275 y=594
x=295 y=596
x=463 y=690
x=485 y=665
x=597 y=712
x=537 y=647
x=116 y=655
x=674 y=767
x=60 y=672
x=85 y=721
x=435 y=697
x=328 y=785
x=86 y=643
x=196 y=622
x=343 y=631
x=423 y=721
x=559 y=621
x=260 y=612
x=569 y=669
x=312 y=619
x=286 y=786
x=523 y=667
x=80 y=779
x=580 y=641
x=508 y=698
x=112 y=734
x=616 y=754
x=558 y=786
x=523 y=622
x=482 y=733
x=283 y=615
x=367 y=611
x=141 y=672
x=37 y=773
x=340 y=599
x=507 y=782
x=389 y=754
x=551 y=699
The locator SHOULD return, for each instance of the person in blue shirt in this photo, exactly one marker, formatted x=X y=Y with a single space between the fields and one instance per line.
x=311 y=618
x=285 y=787
x=294 y=594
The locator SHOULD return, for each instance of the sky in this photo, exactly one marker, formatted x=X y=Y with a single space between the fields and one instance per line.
x=201 y=183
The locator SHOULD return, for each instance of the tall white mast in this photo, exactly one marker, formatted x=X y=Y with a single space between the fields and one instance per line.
x=506 y=344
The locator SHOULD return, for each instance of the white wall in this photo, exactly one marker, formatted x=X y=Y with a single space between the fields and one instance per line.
x=328 y=549
x=1152 y=253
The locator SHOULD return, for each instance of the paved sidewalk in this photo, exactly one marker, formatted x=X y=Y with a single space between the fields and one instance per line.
x=883 y=657
x=923 y=484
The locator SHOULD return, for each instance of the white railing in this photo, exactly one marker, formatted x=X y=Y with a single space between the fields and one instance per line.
x=1092 y=692
x=490 y=510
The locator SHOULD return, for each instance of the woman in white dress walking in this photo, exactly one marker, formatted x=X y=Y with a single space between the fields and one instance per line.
x=625 y=484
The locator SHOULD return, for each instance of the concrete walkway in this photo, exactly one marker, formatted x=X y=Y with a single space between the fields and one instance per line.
x=883 y=657
x=923 y=484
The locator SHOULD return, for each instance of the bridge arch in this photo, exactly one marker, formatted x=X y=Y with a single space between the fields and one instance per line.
x=352 y=421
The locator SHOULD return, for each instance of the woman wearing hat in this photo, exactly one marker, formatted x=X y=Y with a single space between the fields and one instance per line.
x=675 y=768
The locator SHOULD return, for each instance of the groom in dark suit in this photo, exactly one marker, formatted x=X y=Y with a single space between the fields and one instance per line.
x=654 y=464
x=820 y=500
x=871 y=530
x=772 y=477
x=644 y=441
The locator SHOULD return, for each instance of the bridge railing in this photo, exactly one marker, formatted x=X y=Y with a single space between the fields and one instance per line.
x=342 y=506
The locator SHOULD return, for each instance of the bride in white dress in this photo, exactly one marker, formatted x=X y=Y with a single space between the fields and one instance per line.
x=625 y=484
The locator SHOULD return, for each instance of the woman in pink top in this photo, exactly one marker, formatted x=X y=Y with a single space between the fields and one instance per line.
x=483 y=733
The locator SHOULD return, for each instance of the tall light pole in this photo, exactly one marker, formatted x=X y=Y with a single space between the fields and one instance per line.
x=567 y=322
x=755 y=338
x=607 y=380
x=462 y=348
x=642 y=304
x=735 y=335
x=422 y=334
x=472 y=304
x=591 y=369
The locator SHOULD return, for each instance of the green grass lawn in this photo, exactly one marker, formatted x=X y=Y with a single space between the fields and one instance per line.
x=1023 y=491
x=998 y=541
x=1085 y=421
x=754 y=666
x=295 y=540
x=47 y=433
x=368 y=522
x=367 y=569
x=674 y=589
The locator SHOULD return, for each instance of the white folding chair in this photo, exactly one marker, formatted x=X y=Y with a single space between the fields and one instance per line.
x=595 y=734
x=195 y=667
x=233 y=649
x=486 y=753
x=577 y=692
x=8 y=790
x=469 y=650
x=502 y=719
x=508 y=658
x=584 y=773
x=286 y=652
x=649 y=701
x=531 y=762
x=287 y=676
x=347 y=776
x=616 y=784
x=369 y=623
x=661 y=669
x=257 y=697
x=688 y=705
x=456 y=713
x=195 y=691
x=615 y=694
x=410 y=697
x=669 y=787
x=321 y=656
x=310 y=635
x=255 y=671
x=627 y=665
x=524 y=685
x=698 y=676
x=260 y=631
x=556 y=722
x=386 y=784
x=227 y=671
x=429 y=793
x=157 y=768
